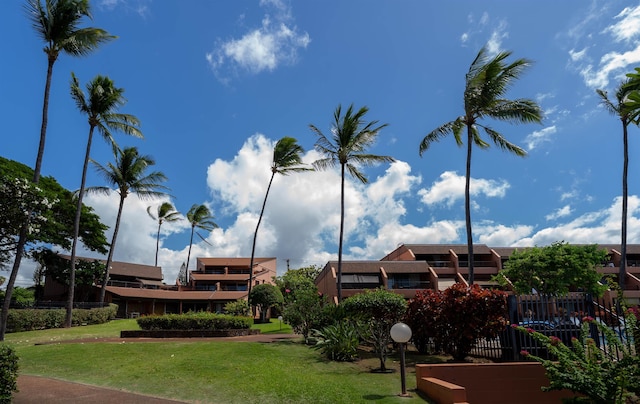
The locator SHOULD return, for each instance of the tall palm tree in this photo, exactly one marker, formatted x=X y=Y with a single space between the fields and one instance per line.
x=129 y=174
x=287 y=158
x=487 y=82
x=200 y=217
x=164 y=213
x=618 y=108
x=346 y=147
x=100 y=105
x=56 y=22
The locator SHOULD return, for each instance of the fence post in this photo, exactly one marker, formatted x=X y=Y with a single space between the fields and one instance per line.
x=512 y=312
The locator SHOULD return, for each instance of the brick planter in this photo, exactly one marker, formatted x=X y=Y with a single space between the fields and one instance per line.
x=186 y=333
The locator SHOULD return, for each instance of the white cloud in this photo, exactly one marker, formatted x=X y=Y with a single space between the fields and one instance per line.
x=560 y=212
x=450 y=188
x=496 y=235
x=628 y=26
x=264 y=48
x=538 y=137
x=140 y=7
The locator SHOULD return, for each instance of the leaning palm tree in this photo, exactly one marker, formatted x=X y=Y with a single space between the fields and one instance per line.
x=56 y=22
x=346 y=147
x=129 y=174
x=100 y=105
x=164 y=213
x=618 y=108
x=200 y=217
x=287 y=158
x=487 y=82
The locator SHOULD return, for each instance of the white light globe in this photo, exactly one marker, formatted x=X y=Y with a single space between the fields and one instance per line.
x=400 y=332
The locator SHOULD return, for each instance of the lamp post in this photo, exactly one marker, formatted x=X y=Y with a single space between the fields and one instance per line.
x=401 y=333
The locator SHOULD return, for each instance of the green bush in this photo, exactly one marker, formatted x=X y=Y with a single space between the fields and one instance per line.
x=40 y=319
x=338 y=342
x=195 y=321
x=239 y=307
x=8 y=373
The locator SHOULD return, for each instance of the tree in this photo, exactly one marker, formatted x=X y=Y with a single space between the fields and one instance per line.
x=303 y=304
x=555 y=269
x=287 y=158
x=165 y=213
x=379 y=310
x=200 y=217
x=623 y=112
x=487 y=82
x=100 y=105
x=129 y=174
x=265 y=296
x=51 y=218
x=346 y=147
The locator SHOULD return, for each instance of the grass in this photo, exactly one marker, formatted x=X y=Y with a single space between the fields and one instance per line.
x=209 y=371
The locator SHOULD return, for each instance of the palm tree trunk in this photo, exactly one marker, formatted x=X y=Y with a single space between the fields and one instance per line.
x=76 y=232
x=22 y=241
x=625 y=167
x=158 y=241
x=255 y=235
x=186 y=272
x=113 y=247
x=467 y=205
x=341 y=238
x=45 y=113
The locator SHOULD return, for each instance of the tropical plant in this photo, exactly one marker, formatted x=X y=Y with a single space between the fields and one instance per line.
x=487 y=81
x=632 y=100
x=618 y=108
x=287 y=158
x=100 y=105
x=556 y=269
x=199 y=216
x=456 y=318
x=608 y=376
x=129 y=174
x=238 y=307
x=338 y=342
x=165 y=213
x=265 y=296
x=346 y=148
x=8 y=373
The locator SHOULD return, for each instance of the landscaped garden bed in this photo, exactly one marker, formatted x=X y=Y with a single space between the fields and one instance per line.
x=187 y=333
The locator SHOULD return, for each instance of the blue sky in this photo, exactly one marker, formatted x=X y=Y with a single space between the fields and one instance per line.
x=216 y=84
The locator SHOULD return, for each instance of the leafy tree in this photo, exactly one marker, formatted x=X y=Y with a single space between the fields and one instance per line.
x=350 y=138
x=239 y=307
x=487 y=82
x=165 y=213
x=52 y=214
x=303 y=304
x=456 y=317
x=287 y=158
x=200 y=217
x=100 y=104
x=555 y=269
x=129 y=174
x=620 y=110
x=265 y=296
x=379 y=310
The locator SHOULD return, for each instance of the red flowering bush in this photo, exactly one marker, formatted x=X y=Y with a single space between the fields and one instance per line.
x=456 y=318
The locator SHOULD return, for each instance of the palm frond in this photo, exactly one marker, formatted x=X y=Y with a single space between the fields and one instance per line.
x=439 y=133
x=503 y=143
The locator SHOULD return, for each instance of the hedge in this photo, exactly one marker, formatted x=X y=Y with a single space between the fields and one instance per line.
x=40 y=319
x=195 y=321
x=8 y=373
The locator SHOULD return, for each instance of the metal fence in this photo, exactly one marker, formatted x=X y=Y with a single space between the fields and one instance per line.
x=559 y=316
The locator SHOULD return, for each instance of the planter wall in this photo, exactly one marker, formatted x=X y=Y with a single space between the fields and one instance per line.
x=486 y=383
x=186 y=333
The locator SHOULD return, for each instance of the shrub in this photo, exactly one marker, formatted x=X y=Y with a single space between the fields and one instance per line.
x=238 y=308
x=602 y=377
x=338 y=342
x=378 y=310
x=456 y=317
x=195 y=321
x=265 y=296
x=40 y=319
x=8 y=373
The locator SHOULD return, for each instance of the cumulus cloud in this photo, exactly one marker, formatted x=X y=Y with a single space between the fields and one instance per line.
x=275 y=42
x=560 y=212
x=539 y=137
x=450 y=188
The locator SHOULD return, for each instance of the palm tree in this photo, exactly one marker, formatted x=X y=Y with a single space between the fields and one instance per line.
x=165 y=213
x=487 y=82
x=56 y=22
x=129 y=174
x=287 y=158
x=100 y=105
x=618 y=108
x=346 y=147
x=200 y=217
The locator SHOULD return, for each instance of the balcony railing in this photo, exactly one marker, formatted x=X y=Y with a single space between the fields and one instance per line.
x=477 y=263
x=403 y=284
x=439 y=264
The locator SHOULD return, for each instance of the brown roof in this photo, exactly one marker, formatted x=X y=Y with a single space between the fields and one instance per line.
x=221 y=261
x=197 y=276
x=160 y=294
x=127 y=268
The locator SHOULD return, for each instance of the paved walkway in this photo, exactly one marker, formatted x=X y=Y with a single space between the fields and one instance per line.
x=36 y=389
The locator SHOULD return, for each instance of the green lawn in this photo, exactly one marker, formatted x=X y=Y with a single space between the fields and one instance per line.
x=207 y=372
